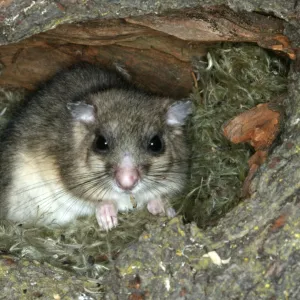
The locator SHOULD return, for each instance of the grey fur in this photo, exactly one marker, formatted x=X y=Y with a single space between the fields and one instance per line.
x=47 y=131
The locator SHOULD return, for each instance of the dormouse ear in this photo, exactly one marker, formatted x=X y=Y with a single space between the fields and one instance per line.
x=178 y=112
x=82 y=112
x=123 y=71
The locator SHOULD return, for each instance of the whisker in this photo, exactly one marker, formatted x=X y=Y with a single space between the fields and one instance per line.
x=62 y=191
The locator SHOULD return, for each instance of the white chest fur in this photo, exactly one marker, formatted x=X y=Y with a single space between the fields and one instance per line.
x=38 y=196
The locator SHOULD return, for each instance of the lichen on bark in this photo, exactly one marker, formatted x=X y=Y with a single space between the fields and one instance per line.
x=261 y=235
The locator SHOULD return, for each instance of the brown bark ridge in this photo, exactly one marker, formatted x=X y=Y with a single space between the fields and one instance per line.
x=23 y=18
x=259 y=127
x=156 y=50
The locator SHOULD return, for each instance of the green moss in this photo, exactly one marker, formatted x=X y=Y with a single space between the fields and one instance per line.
x=240 y=77
x=131 y=269
x=80 y=246
x=30 y=281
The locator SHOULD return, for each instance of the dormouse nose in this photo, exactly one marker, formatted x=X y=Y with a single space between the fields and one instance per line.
x=127 y=178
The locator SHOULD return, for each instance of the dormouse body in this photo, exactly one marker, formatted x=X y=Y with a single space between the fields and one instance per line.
x=88 y=142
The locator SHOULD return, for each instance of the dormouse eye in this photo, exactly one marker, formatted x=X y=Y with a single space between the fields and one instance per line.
x=101 y=144
x=155 y=145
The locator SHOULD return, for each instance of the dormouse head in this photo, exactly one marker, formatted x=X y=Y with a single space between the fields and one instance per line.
x=129 y=142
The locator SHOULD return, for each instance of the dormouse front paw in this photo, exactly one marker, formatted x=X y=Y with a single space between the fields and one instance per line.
x=156 y=207
x=106 y=214
x=170 y=212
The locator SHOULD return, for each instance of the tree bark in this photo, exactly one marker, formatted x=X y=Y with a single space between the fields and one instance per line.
x=142 y=44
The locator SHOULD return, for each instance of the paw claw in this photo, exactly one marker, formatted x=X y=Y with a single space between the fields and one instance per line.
x=171 y=212
x=156 y=207
x=106 y=214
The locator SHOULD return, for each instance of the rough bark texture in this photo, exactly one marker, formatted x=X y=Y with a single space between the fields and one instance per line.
x=23 y=18
x=259 y=127
x=23 y=279
x=261 y=235
x=146 y=46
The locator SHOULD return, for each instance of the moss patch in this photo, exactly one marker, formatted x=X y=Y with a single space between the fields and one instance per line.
x=80 y=246
x=233 y=79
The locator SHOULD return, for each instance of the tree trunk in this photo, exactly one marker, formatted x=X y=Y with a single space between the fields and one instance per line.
x=261 y=236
